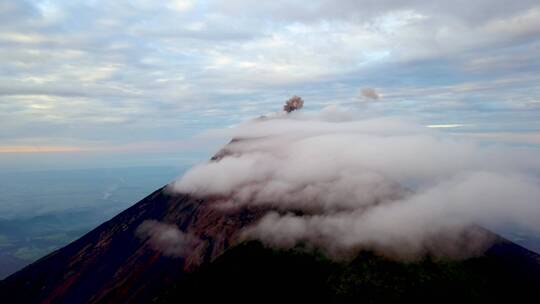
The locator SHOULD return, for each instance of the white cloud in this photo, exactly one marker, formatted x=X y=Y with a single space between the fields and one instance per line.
x=166 y=238
x=181 y=5
x=445 y=126
x=385 y=184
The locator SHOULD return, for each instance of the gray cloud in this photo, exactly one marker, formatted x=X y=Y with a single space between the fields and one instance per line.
x=385 y=184
x=137 y=62
x=299 y=10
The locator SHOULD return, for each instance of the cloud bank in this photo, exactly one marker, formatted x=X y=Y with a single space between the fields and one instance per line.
x=386 y=184
x=87 y=73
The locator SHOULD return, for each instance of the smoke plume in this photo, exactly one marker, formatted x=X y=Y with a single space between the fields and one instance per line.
x=293 y=104
x=386 y=184
x=370 y=93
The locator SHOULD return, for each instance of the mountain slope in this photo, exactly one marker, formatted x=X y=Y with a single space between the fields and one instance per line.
x=506 y=273
x=110 y=265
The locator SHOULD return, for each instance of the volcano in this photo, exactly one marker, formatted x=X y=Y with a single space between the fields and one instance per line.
x=115 y=264
x=111 y=265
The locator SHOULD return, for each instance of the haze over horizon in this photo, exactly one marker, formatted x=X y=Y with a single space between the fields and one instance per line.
x=92 y=84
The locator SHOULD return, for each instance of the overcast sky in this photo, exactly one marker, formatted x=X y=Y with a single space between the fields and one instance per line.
x=125 y=80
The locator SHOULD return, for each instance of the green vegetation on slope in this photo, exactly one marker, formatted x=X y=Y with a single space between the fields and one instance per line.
x=252 y=273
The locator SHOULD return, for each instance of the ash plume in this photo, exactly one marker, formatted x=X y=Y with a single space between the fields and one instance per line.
x=385 y=184
x=370 y=93
x=294 y=103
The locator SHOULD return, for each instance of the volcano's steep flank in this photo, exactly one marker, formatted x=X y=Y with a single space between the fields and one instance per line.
x=251 y=273
x=111 y=264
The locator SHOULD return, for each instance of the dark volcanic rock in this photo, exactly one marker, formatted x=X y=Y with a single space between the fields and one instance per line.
x=110 y=264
